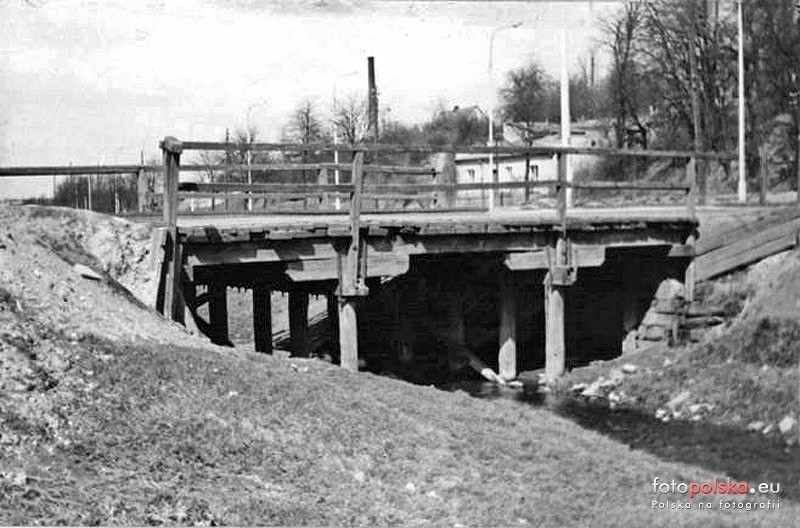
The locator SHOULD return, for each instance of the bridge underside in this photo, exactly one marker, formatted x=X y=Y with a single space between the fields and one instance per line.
x=550 y=295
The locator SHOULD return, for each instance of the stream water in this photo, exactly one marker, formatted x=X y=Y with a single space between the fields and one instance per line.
x=721 y=449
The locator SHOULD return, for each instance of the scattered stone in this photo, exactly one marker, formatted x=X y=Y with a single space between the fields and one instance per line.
x=668 y=362
x=678 y=400
x=410 y=487
x=629 y=368
x=764 y=368
x=756 y=427
x=787 y=425
x=769 y=429
x=87 y=273
x=359 y=476
x=661 y=414
x=578 y=388
x=593 y=390
x=696 y=408
x=696 y=418
x=432 y=494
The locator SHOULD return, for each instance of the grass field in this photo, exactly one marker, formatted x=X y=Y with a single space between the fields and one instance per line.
x=110 y=415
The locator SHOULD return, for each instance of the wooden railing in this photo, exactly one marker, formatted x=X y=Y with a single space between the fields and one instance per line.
x=440 y=193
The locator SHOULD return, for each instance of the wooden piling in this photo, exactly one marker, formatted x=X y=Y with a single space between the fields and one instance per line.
x=262 y=319
x=348 y=333
x=455 y=323
x=404 y=335
x=555 y=349
x=507 y=355
x=218 y=313
x=333 y=326
x=298 y=323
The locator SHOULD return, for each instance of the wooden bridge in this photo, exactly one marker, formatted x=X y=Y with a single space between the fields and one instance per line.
x=392 y=237
x=389 y=220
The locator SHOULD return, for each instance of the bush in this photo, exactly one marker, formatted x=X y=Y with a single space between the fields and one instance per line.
x=766 y=341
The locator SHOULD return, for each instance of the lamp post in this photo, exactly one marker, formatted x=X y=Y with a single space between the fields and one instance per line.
x=494 y=176
x=250 y=138
x=336 y=135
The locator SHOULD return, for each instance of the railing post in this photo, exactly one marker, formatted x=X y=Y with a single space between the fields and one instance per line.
x=174 y=303
x=561 y=192
x=446 y=174
x=352 y=277
x=142 y=190
x=691 y=175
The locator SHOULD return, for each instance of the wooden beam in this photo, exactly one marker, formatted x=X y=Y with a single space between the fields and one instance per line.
x=348 y=333
x=298 y=324
x=584 y=256
x=507 y=355
x=475 y=149
x=218 y=313
x=262 y=319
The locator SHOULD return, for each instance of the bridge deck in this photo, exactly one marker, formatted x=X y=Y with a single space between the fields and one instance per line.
x=231 y=228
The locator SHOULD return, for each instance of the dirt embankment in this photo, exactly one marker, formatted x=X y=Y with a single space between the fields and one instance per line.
x=111 y=415
x=742 y=374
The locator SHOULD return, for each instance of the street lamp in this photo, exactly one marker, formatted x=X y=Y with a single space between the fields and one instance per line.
x=336 y=136
x=250 y=138
x=495 y=176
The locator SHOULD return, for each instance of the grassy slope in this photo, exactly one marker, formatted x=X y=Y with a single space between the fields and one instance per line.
x=109 y=428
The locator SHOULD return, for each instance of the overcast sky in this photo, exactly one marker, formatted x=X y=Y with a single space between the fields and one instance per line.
x=98 y=81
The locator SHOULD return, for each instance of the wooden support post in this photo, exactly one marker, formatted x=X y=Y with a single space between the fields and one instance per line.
x=404 y=330
x=262 y=319
x=218 y=313
x=174 y=304
x=455 y=323
x=554 y=293
x=507 y=355
x=298 y=324
x=555 y=361
x=348 y=333
x=333 y=328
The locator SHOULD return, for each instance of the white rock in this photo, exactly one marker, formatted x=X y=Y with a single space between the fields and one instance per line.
x=756 y=426
x=629 y=368
x=768 y=429
x=87 y=273
x=667 y=362
x=410 y=487
x=593 y=390
x=787 y=425
x=661 y=414
x=669 y=289
x=696 y=408
x=681 y=398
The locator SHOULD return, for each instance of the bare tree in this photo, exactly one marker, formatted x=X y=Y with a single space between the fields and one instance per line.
x=305 y=125
x=350 y=118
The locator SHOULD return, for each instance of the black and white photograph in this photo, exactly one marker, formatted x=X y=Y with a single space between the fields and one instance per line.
x=400 y=263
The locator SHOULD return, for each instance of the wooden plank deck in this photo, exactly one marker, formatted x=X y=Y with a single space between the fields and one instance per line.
x=247 y=226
